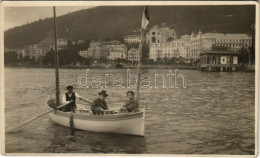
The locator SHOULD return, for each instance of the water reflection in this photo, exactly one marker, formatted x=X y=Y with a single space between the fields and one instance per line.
x=91 y=142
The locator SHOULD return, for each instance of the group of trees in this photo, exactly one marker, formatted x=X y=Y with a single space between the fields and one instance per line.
x=13 y=58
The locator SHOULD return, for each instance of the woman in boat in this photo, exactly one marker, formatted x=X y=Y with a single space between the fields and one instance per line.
x=99 y=105
x=130 y=105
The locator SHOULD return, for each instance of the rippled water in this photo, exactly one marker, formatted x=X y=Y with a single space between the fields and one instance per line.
x=214 y=114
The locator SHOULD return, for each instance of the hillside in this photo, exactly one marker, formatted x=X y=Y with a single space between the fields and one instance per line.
x=112 y=23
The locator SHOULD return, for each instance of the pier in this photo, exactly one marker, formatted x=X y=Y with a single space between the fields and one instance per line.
x=222 y=61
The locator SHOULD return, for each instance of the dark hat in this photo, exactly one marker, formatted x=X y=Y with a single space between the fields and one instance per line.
x=103 y=92
x=68 y=87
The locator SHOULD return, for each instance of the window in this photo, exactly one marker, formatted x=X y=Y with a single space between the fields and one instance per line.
x=153 y=39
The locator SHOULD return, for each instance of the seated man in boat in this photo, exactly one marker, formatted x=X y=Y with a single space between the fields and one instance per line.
x=70 y=95
x=99 y=105
x=130 y=105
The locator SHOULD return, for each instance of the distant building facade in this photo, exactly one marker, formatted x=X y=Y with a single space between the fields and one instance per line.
x=133 y=54
x=191 y=46
x=111 y=50
x=132 y=38
x=233 y=42
x=62 y=43
x=117 y=51
x=160 y=35
x=85 y=54
x=177 y=48
x=34 y=51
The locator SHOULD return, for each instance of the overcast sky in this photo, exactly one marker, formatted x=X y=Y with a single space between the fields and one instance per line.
x=16 y=16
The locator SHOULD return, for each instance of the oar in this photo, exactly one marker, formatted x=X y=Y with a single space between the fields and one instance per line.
x=30 y=120
x=88 y=101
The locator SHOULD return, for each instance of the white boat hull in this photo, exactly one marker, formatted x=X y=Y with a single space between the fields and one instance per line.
x=132 y=123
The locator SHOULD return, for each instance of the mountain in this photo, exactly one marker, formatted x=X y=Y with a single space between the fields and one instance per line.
x=113 y=22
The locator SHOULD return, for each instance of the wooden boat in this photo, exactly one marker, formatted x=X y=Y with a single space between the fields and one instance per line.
x=110 y=122
x=83 y=119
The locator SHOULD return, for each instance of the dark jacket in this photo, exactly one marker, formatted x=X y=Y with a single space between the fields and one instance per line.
x=130 y=105
x=97 y=105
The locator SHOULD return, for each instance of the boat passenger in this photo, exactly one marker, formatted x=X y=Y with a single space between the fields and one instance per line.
x=130 y=105
x=99 y=105
x=70 y=95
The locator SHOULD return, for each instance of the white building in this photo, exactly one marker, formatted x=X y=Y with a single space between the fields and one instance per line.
x=62 y=43
x=35 y=51
x=191 y=46
x=177 y=48
x=110 y=50
x=85 y=54
x=133 y=54
x=113 y=55
x=117 y=50
x=132 y=38
x=234 y=42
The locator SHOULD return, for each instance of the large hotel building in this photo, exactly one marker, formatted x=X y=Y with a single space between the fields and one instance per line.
x=191 y=46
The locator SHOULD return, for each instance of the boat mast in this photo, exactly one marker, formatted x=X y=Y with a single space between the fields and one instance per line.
x=138 y=67
x=56 y=59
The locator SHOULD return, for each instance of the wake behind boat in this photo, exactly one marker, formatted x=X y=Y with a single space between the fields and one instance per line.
x=83 y=119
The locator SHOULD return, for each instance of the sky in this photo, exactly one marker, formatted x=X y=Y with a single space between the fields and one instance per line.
x=16 y=16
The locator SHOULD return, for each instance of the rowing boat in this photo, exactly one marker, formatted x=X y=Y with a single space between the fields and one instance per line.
x=111 y=121
x=83 y=119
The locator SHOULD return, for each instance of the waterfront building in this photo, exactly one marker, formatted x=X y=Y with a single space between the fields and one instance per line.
x=194 y=45
x=132 y=38
x=21 y=53
x=160 y=35
x=85 y=54
x=113 y=55
x=34 y=51
x=62 y=43
x=177 y=48
x=97 y=50
x=232 y=42
x=191 y=46
x=111 y=43
x=219 y=60
x=117 y=51
x=133 y=54
x=111 y=49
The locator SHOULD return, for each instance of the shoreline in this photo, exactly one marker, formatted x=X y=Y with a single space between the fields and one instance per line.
x=246 y=68
x=108 y=67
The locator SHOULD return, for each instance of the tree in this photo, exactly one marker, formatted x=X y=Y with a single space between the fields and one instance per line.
x=244 y=56
x=10 y=58
x=103 y=60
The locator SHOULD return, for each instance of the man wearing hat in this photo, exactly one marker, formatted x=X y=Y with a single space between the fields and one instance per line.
x=70 y=95
x=99 y=105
